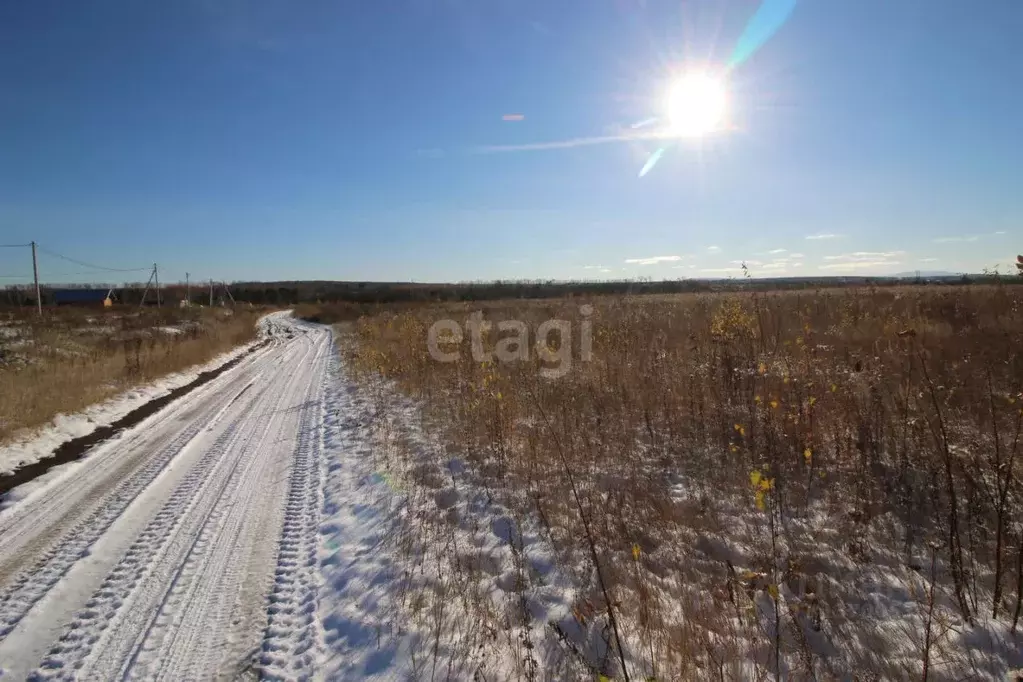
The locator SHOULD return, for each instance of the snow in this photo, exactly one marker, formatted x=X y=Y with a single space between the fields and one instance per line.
x=288 y=521
x=34 y=445
x=422 y=571
x=159 y=553
x=426 y=574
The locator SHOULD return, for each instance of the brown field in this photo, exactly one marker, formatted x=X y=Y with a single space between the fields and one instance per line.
x=817 y=485
x=71 y=357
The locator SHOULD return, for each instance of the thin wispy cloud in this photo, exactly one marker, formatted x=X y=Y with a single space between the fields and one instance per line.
x=953 y=240
x=859 y=265
x=928 y=260
x=593 y=267
x=796 y=255
x=822 y=236
x=713 y=249
x=777 y=265
x=747 y=262
x=513 y=117
x=864 y=256
x=570 y=143
x=653 y=260
x=719 y=270
x=967 y=237
x=774 y=251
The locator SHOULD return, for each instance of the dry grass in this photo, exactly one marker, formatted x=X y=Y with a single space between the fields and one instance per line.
x=808 y=485
x=72 y=358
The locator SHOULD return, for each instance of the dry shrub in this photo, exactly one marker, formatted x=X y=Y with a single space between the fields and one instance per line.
x=72 y=358
x=745 y=470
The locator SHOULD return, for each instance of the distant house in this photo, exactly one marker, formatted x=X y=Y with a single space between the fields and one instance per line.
x=100 y=298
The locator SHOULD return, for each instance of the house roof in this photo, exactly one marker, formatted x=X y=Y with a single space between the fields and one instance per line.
x=81 y=295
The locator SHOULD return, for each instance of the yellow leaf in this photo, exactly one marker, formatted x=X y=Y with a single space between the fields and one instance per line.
x=754 y=478
x=773 y=591
x=774 y=404
x=834 y=388
x=635 y=552
x=785 y=380
x=733 y=447
x=807 y=455
x=813 y=401
x=762 y=368
x=760 y=500
x=757 y=399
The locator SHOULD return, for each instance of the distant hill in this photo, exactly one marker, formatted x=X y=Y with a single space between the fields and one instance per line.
x=927 y=273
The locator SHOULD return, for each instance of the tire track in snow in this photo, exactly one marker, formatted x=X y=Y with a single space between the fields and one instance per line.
x=293 y=638
x=39 y=520
x=34 y=582
x=180 y=517
x=212 y=592
x=121 y=615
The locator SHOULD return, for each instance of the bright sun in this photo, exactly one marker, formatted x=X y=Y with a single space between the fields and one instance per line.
x=696 y=105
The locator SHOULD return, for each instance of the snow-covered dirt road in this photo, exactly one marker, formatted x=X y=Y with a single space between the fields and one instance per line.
x=186 y=547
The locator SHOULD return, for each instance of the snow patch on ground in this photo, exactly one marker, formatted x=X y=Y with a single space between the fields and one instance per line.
x=427 y=575
x=39 y=444
x=424 y=574
x=159 y=554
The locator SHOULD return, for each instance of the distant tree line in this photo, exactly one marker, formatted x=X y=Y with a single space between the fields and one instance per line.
x=296 y=292
x=291 y=293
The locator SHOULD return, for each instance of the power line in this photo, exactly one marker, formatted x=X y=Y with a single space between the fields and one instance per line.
x=88 y=265
x=14 y=246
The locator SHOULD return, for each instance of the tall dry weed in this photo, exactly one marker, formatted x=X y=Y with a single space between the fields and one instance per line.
x=886 y=422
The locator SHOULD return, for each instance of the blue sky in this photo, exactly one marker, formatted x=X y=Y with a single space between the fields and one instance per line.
x=270 y=139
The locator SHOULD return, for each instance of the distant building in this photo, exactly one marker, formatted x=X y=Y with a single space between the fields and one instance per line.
x=93 y=298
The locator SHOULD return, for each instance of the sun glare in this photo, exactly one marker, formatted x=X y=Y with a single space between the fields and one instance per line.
x=696 y=105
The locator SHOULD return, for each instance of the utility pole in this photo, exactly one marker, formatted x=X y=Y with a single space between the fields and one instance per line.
x=188 y=292
x=35 y=274
x=146 y=290
x=227 y=291
x=156 y=276
x=211 y=292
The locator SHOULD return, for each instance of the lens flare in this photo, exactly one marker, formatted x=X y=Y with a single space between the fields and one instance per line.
x=651 y=162
x=697 y=103
x=769 y=17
